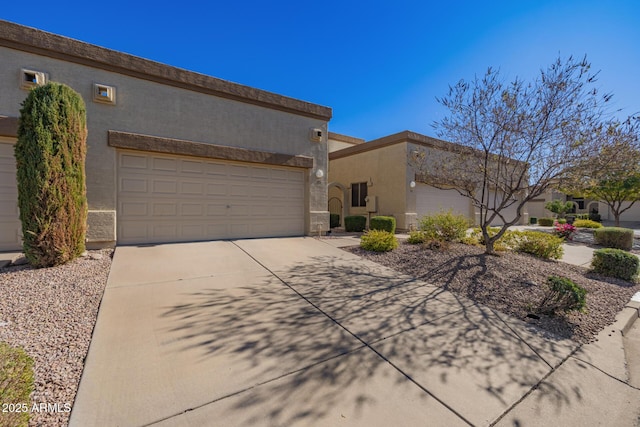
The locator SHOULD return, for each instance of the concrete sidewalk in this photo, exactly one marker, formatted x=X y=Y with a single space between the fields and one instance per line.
x=296 y=332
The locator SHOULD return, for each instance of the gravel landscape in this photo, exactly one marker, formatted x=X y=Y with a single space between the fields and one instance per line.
x=51 y=312
x=512 y=283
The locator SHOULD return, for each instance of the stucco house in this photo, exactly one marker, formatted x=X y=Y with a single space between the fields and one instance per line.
x=172 y=155
x=377 y=178
x=581 y=205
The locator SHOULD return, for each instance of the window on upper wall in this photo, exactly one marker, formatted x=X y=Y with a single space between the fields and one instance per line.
x=358 y=194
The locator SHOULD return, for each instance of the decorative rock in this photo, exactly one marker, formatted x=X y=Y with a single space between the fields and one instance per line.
x=19 y=260
x=95 y=255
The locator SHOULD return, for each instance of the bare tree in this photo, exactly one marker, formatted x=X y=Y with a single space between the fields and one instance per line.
x=612 y=173
x=516 y=139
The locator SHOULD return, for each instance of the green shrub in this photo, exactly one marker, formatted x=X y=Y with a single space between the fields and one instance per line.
x=538 y=243
x=436 y=245
x=416 y=237
x=477 y=239
x=533 y=220
x=355 y=223
x=586 y=223
x=334 y=220
x=384 y=223
x=16 y=383
x=615 y=263
x=471 y=239
x=595 y=217
x=561 y=220
x=378 y=241
x=562 y=294
x=50 y=158
x=559 y=207
x=614 y=237
x=444 y=226
x=545 y=222
x=581 y=216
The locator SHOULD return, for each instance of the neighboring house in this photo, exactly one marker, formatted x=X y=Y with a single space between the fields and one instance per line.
x=376 y=178
x=172 y=155
x=580 y=206
x=338 y=142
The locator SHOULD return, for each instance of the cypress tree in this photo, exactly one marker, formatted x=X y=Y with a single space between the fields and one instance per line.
x=50 y=158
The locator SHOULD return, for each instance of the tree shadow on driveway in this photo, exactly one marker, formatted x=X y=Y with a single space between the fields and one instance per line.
x=329 y=341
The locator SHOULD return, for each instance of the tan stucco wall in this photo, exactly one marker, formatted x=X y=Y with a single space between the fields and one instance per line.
x=339 y=141
x=386 y=169
x=151 y=108
x=335 y=145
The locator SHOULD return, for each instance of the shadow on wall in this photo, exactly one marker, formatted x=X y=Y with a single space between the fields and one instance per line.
x=324 y=344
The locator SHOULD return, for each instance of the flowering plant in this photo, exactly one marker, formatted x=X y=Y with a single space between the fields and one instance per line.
x=564 y=230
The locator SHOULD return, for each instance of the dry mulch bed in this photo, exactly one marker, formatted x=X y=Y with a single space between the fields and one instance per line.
x=512 y=283
x=51 y=312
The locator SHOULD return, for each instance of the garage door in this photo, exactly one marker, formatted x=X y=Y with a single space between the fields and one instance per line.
x=9 y=215
x=164 y=198
x=509 y=213
x=431 y=200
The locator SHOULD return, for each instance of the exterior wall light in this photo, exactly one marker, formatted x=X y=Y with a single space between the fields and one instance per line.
x=319 y=173
x=412 y=184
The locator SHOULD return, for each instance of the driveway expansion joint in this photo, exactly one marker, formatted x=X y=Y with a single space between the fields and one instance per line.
x=261 y=383
x=535 y=386
x=606 y=373
x=406 y=375
x=497 y=313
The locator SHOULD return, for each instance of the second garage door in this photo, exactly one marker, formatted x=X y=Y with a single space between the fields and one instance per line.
x=431 y=200
x=164 y=198
x=10 y=225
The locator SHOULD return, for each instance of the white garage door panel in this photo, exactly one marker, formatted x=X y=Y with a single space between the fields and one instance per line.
x=509 y=213
x=166 y=198
x=10 y=227
x=431 y=200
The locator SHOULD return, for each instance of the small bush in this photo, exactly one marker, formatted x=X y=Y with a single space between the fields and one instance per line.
x=378 y=241
x=545 y=222
x=615 y=263
x=471 y=239
x=444 y=226
x=334 y=220
x=586 y=223
x=614 y=237
x=562 y=294
x=538 y=243
x=436 y=245
x=533 y=220
x=561 y=221
x=16 y=383
x=559 y=207
x=595 y=217
x=477 y=239
x=384 y=223
x=564 y=231
x=416 y=237
x=355 y=223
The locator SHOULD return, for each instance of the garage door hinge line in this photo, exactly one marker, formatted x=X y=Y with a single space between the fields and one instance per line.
x=406 y=375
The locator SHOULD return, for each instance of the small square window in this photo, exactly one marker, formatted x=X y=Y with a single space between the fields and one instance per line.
x=359 y=194
x=104 y=94
x=31 y=78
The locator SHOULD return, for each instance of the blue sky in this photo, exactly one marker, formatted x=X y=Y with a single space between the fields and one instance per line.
x=379 y=65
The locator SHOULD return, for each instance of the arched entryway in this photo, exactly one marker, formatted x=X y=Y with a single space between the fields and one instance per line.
x=337 y=200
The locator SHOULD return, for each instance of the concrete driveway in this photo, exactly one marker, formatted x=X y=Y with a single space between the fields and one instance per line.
x=293 y=331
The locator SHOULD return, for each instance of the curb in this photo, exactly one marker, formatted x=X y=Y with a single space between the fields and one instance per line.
x=628 y=315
